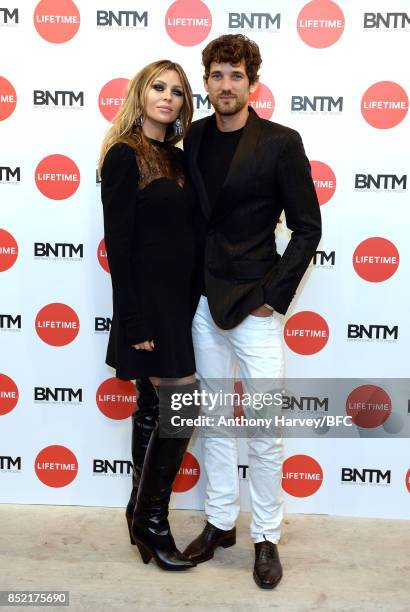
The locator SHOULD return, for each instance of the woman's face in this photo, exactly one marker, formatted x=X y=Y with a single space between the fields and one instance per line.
x=165 y=98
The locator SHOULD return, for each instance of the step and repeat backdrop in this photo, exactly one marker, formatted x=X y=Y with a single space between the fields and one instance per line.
x=335 y=71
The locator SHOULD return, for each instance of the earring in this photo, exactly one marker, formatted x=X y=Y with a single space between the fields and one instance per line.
x=178 y=127
x=139 y=121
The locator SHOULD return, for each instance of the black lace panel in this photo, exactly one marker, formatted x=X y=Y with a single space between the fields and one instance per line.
x=163 y=161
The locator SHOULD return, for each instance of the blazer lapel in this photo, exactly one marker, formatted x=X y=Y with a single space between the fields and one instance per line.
x=196 y=173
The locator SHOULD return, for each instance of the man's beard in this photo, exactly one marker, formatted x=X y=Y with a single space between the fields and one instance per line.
x=233 y=107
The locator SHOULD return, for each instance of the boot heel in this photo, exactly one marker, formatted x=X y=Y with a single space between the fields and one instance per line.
x=129 y=523
x=227 y=542
x=145 y=553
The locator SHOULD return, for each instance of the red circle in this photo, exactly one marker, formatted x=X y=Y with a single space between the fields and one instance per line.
x=116 y=398
x=56 y=466
x=407 y=480
x=384 y=105
x=320 y=23
x=8 y=98
x=111 y=97
x=188 y=474
x=376 y=259
x=57 y=177
x=306 y=332
x=57 y=21
x=9 y=250
x=188 y=22
x=301 y=475
x=102 y=256
x=368 y=406
x=262 y=101
x=9 y=394
x=57 y=324
x=324 y=180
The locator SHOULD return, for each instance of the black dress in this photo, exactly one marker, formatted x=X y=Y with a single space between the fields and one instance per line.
x=149 y=238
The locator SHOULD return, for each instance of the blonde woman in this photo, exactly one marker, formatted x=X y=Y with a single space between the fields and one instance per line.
x=148 y=207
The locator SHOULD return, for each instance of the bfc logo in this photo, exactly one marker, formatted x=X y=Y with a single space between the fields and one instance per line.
x=376 y=259
x=188 y=22
x=306 y=332
x=57 y=324
x=8 y=250
x=384 y=105
x=8 y=98
x=369 y=406
x=111 y=97
x=188 y=474
x=320 y=23
x=56 y=466
x=57 y=177
x=116 y=398
x=262 y=101
x=57 y=21
x=302 y=476
x=324 y=180
x=9 y=394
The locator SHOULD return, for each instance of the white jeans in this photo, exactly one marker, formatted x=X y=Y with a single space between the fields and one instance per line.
x=253 y=349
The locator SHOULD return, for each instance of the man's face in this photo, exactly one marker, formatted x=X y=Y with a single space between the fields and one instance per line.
x=228 y=87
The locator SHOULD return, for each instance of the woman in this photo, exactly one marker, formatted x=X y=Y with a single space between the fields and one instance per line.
x=148 y=209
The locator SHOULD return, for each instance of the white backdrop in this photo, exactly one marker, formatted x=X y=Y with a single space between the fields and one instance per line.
x=346 y=64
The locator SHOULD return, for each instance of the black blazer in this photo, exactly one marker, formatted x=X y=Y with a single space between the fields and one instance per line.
x=269 y=173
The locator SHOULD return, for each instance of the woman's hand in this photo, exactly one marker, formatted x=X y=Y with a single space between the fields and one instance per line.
x=148 y=345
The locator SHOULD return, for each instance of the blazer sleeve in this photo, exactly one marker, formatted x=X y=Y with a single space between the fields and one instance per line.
x=298 y=196
x=119 y=181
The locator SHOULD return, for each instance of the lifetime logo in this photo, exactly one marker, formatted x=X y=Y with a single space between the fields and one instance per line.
x=57 y=177
x=320 y=23
x=111 y=97
x=102 y=324
x=122 y=19
x=386 y=21
x=254 y=21
x=323 y=259
x=262 y=101
x=291 y=402
x=306 y=332
x=324 y=180
x=9 y=16
x=376 y=259
x=8 y=98
x=380 y=182
x=188 y=22
x=116 y=399
x=188 y=474
x=8 y=250
x=58 y=395
x=57 y=21
x=302 y=475
x=10 y=322
x=317 y=104
x=58 y=98
x=10 y=464
x=358 y=331
x=9 y=394
x=58 y=250
x=56 y=466
x=365 y=476
x=384 y=105
x=368 y=406
x=10 y=175
x=102 y=256
x=115 y=467
x=57 y=324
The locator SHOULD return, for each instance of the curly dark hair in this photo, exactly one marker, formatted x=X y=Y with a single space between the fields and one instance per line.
x=232 y=48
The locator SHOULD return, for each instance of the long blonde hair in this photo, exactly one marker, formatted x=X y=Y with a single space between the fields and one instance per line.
x=123 y=128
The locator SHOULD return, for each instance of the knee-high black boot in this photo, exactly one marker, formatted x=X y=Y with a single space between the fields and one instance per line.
x=150 y=527
x=144 y=419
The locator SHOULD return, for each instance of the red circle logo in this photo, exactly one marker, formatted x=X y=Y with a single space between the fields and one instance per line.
x=111 y=97
x=188 y=474
x=408 y=480
x=57 y=324
x=384 y=105
x=57 y=21
x=8 y=250
x=102 y=256
x=56 y=466
x=301 y=475
x=57 y=177
x=320 y=23
x=324 y=179
x=376 y=259
x=9 y=394
x=368 y=406
x=262 y=101
x=188 y=22
x=8 y=98
x=306 y=332
x=116 y=398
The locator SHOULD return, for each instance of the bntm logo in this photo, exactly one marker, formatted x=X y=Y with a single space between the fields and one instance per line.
x=116 y=398
x=306 y=332
x=9 y=394
x=320 y=23
x=8 y=250
x=188 y=22
x=384 y=105
x=57 y=21
x=56 y=466
x=376 y=259
x=301 y=475
x=188 y=474
x=57 y=324
x=8 y=98
x=262 y=101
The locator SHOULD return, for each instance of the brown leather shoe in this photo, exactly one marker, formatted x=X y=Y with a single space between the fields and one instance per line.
x=202 y=548
x=267 y=569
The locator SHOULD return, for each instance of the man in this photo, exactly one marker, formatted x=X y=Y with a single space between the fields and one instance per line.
x=246 y=171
